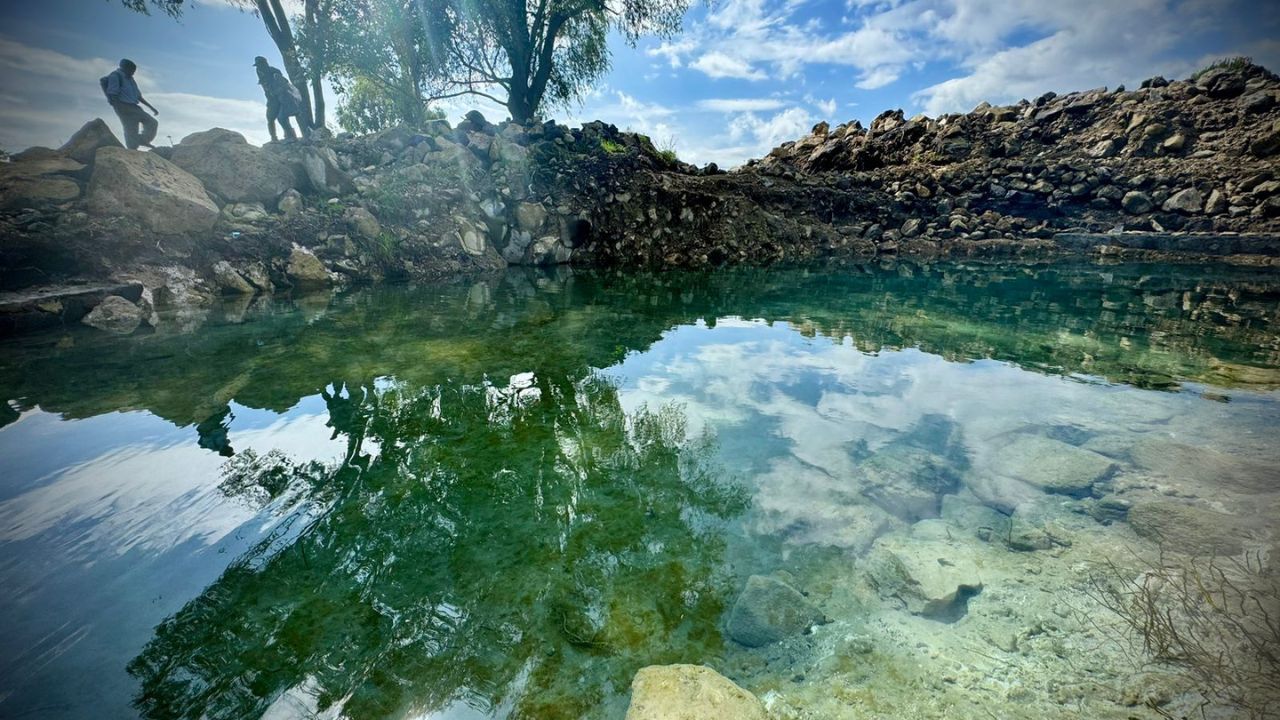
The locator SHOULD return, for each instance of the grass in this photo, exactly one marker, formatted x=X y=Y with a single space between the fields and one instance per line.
x=612 y=147
x=1235 y=64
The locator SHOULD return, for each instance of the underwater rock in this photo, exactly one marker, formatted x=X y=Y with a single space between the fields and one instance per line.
x=1194 y=465
x=933 y=578
x=1180 y=527
x=115 y=315
x=689 y=692
x=907 y=481
x=979 y=520
x=769 y=610
x=1051 y=465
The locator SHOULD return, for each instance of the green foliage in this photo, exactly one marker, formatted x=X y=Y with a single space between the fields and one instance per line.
x=612 y=147
x=1235 y=64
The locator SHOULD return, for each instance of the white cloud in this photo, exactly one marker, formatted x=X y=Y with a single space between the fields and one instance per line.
x=54 y=94
x=767 y=134
x=727 y=105
x=719 y=65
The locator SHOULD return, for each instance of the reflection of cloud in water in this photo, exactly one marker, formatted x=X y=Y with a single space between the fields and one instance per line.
x=822 y=401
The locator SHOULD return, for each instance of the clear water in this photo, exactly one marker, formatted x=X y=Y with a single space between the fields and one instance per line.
x=502 y=498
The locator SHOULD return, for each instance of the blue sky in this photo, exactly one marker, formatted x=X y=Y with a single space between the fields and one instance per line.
x=744 y=76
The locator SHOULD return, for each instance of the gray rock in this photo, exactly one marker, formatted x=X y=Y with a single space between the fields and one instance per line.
x=690 y=692
x=1184 y=528
x=1217 y=203
x=244 y=213
x=1188 y=200
x=290 y=203
x=911 y=227
x=1051 y=465
x=769 y=610
x=1136 y=202
x=305 y=269
x=315 y=168
x=85 y=143
x=115 y=315
x=1257 y=102
x=549 y=251
x=39 y=181
x=231 y=168
x=473 y=241
x=933 y=578
x=363 y=223
x=151 y=191
x=229 y=280
x=530 y=216
x=906 y=481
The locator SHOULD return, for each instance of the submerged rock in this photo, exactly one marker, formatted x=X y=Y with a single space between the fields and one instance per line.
x=1051 y=465
x=115 y=315
x=1184 y=528
x=907 y=481
x=769 y=610
x=933 y=578
x=690 y=692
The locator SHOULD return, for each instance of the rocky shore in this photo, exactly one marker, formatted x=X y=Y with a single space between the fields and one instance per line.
x=1182 y=170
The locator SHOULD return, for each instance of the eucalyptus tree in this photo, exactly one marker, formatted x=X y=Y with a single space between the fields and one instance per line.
x=539 y=53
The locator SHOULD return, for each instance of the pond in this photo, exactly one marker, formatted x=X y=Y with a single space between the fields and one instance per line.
x=502 y=498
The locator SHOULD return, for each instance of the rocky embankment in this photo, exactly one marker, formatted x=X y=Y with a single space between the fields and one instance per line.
x=1186 y=167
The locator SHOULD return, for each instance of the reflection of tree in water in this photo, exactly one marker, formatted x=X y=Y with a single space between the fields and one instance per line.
x=532 y=547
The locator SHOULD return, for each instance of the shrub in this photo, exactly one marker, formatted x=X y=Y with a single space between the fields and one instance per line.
x=1235 y=64
x=612 y=147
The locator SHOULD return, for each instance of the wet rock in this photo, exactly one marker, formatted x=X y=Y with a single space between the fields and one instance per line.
x=689 y=692
x=1187 y=201
x=231 y=168
x=37 y=182
x=229 y=280
x=1201 y=469
x=115 y=315
x=1136 y=202
x=907 y=481
x=84 y=144
x=305 y=269
x=1185 y=528
x=769 y=610
x=1051 y=465
x=979 y=520
x=933 y=578
x=150 y=190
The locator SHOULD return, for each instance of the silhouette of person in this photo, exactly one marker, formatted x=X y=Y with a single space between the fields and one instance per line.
x=125 y=97
x=283 y=100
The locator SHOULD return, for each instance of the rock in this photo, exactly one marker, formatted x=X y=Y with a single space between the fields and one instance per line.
x=1136 y=202
x=1268 y=144
x=38 y=182
x=1104 y=148
x=1202 y=469
x=290 y=203
x=1258 y=102
x=1217 y=203
x=1188 y=200
x=1174 y=143
x=530 y=216
x=1180 y=527
x=231 y=168
x=229 y=280
x=933 y=578
x=150 y=190
x=769 y=610
x=473 y=241
x=115 y=315
x=911 y=227
x=314 y=167
x=1051 y=465
x=1221 y=83
x=244 y=214
x=690 y=692
x=549 y=251
x=305 y=269
x=85 y=143
x=503 y=150
x=906 y=481
x=363 y=223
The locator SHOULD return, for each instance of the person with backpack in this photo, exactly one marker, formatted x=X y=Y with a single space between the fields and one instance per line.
x=283 y=100
x=125 y=97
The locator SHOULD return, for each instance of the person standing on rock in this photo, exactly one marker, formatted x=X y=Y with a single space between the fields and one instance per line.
x=125 y=97
x=283 y=100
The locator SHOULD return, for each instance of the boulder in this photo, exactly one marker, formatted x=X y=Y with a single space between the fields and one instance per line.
x=1188 y=200
x=1136 y=202
x=1258 y=102
x=549 y=251
x=290 y=203
x=530 y=216
x=933 y=578
x=305 y=269
x=1268 y=144
x=244 y=214
x=88 y=140
x=690 y=692
x=315 y=168
x=229 y=280
x=907 y=481
x=231 y=168
x=115 y=315
x=1184 y=528
x=36 y=182
x=150 y=190
x=363 y=223
x=769 y=610
x=1051 y=465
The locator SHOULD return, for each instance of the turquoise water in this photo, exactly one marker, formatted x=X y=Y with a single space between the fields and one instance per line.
x=501 y=498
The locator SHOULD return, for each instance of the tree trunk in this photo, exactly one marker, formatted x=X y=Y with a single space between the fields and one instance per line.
x=317 y=17
x=277 y=22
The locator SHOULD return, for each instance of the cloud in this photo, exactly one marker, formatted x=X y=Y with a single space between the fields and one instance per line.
x=768 y=133
x=728 y=105
x=52 y=94
x=719 y=65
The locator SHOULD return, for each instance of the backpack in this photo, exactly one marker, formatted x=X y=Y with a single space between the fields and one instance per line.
x=105 y=81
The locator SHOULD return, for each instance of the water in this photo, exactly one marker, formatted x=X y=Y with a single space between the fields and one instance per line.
x=502 y=498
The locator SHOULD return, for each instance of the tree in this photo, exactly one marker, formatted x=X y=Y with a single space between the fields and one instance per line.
x=172 y=8
x=540 y=52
